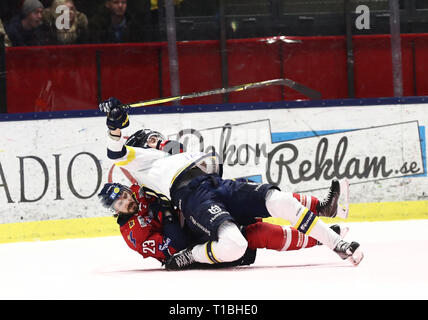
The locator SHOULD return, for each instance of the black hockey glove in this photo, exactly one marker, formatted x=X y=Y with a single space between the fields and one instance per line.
x=162 y=211
x=117 y=116
x=107 y=105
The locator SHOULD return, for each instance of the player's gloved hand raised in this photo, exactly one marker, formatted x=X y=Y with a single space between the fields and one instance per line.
x=117 y=116
x=107 y=105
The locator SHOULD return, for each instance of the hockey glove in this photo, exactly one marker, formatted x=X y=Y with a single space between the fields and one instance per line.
x=117 y=118
x=107 y=105
x=174 y=236
x=162 y=211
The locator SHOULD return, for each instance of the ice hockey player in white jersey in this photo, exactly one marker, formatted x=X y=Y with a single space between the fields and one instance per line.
x=212 y=207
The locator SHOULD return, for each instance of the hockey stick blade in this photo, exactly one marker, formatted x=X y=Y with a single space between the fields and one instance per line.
x=308 y=92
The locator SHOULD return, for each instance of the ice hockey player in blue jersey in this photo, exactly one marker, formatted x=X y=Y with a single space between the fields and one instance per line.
x=212 y=207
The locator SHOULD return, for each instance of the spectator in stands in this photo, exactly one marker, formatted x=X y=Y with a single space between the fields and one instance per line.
x=141 y=11
x=6 y=38
x=73 y=31
x=90 y=7
x=8 y=9
x=46 y=3
x=113 y=23
x=26 y=29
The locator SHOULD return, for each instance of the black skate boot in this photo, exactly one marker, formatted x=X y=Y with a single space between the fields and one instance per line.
x=340 y=230
x=329 y=206
x=349 y=251
x=180 y=261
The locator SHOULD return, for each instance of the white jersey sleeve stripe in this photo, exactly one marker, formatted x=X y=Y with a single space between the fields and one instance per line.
x=130 y=156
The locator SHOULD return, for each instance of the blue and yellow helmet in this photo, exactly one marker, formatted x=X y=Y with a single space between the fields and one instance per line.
x=110 y=193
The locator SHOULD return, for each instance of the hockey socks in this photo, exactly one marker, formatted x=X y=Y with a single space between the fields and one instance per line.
x=309 y=202
x=283 y=205
x=274 y=237
x=309 y=223
x=328 y=206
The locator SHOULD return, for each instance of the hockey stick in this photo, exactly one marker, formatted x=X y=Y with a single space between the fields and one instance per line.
x=308 y=92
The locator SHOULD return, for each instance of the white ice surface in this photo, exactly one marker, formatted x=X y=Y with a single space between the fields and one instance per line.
x=395 y=266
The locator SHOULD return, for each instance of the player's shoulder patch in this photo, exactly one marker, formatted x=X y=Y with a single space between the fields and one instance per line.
x=144 y=221
x=131 y=223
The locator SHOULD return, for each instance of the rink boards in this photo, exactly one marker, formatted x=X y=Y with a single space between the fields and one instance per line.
x=52 y=165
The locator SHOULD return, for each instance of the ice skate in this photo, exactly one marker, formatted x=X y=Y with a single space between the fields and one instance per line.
x=181 y=260
x=343 y=203
x=349 y=251
x=340 y=230
x=329 y=206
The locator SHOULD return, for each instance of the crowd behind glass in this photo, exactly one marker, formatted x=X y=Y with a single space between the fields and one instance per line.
x=57 y=22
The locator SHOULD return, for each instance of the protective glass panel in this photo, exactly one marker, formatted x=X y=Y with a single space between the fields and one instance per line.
x=70 y=55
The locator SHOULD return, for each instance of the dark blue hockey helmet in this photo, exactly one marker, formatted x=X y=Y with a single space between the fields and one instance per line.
x=110 y=193
x=140 y=138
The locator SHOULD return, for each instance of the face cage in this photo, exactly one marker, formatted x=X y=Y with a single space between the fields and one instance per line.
x=153 y=134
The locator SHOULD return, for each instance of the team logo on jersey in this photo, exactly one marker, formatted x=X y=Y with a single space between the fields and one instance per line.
x=132 y=240
x=144 y=221
x=214 y=209
x=165 y=244
x=131 y=224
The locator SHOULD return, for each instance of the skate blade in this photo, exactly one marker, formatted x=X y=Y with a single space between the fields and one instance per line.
x=342 y=212
x=343 y=207
x=343 y=231
x=356 y=257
